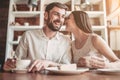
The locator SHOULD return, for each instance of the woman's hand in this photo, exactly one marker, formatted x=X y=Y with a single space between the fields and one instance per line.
x=96 y=62
x=82 y=62
x=91 y=62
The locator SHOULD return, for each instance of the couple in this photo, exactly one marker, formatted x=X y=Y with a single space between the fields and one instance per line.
x=47 y=47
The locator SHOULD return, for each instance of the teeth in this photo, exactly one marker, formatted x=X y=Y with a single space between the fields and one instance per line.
x=57 y=23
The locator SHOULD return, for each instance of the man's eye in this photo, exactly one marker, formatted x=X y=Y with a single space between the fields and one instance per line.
x=56 y=14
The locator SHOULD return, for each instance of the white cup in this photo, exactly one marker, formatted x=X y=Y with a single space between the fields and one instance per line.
x=22 y=64
x=26 y=24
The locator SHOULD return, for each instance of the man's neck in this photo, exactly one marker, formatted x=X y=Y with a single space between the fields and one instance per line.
x=49 y=33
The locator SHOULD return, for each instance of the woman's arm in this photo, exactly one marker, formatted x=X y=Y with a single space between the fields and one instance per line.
x=106 y=51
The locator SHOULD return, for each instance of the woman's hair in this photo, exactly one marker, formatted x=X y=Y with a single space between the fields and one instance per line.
x=55 y=4
x=82 y=21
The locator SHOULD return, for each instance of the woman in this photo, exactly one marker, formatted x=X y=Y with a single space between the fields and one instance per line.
x=89 y=49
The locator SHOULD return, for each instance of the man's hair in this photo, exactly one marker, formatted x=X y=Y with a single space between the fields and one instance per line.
x=55 y=4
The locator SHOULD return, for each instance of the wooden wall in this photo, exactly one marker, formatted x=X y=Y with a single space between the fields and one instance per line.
x=4 y=6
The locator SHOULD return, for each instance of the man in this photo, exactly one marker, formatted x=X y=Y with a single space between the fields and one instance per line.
x=46 y=46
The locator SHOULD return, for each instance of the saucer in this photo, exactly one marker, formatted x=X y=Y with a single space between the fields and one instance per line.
x=20 y=70
x=57 y=71
x=108 y=71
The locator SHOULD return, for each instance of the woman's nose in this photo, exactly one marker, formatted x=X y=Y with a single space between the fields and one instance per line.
x=66 y=22
x=66 y=18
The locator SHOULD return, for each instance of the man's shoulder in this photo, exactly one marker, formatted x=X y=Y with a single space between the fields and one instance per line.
x=33 y=31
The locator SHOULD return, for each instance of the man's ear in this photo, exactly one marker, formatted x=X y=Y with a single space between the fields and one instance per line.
x=46 y=15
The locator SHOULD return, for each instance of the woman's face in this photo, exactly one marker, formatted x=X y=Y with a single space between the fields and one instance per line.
x=70 y=23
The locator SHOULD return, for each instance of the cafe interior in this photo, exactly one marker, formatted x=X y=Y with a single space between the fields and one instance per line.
x=17 y=16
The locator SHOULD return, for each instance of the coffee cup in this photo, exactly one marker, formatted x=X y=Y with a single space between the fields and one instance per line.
x=22 y=64
x=26 y=24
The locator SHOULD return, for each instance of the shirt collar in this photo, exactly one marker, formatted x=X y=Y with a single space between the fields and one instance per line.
x=57 y=36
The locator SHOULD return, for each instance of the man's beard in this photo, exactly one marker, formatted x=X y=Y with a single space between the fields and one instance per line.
x=53 y=28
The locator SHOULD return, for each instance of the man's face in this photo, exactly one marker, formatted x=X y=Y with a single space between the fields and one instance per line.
x=55 y=18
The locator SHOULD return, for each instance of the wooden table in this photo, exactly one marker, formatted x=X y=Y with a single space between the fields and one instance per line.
x=38 y=76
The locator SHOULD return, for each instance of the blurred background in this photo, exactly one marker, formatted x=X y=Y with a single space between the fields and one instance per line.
x=112 y=13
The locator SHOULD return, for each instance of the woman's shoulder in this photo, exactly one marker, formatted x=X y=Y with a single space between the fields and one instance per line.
x=97 y=40
x=96 y=37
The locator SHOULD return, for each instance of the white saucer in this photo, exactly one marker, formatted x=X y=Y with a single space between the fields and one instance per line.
x=108 y=71
x=20 y=70
x=56 y=71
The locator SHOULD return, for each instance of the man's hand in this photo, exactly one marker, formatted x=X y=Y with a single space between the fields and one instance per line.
x=39 y=65
x=9 y=64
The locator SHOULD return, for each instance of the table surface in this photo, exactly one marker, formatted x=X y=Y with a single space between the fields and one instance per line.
x=38 y=76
